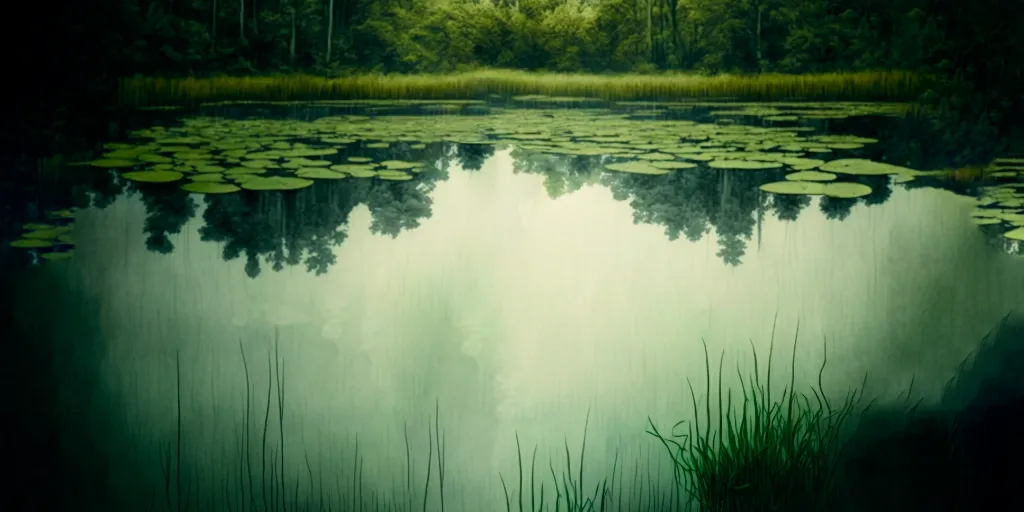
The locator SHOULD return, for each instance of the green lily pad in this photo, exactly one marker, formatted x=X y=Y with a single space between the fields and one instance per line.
x=655 y=156
x=201 y=187
x=304 y=152
x=154 y=158
x=378 y=145
x=674 y=165
x=354 y=169
x=810 y=176
x=359 y=159
x=276 y=183
x=31 y=243
x=635 y=168
x=802 y=164
x=1008 y=161
x=63 y=214
x=110 y=163
x=37 y=226
x=863 y=167
x=154 y=176
x=319 y=173
x=846 y=190
x=984 y=221
x=743 y=164
x=46 y=234
x=394 y=175
x=399 y=164
x=258 y=164
x=1015 y=234
x=337 y=140
x=794 y=187
x=209 y=168
x=211 y=177
x=57 y=255
x=66 y=238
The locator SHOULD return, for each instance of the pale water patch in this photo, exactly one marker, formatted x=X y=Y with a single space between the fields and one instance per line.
x=517 y=312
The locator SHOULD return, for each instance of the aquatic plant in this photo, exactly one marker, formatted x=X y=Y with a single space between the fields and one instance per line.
x=768 y=455
x=866 y=85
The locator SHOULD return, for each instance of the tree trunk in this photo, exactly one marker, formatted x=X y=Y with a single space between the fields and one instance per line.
x=677 y=41
x=241 y=20
x=255 y=18
x=330 y=30
x=650 y=35
x=213 y=29
x=757 y=52
x=291 y=47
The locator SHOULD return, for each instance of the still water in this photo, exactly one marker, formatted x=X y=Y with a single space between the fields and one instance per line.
x=498 y=297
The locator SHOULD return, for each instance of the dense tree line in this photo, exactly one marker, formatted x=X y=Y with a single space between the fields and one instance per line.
x=331 y=36
x=71 y=53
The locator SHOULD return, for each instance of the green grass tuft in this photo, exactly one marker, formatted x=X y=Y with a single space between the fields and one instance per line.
x=768 y=455
x=138 y=92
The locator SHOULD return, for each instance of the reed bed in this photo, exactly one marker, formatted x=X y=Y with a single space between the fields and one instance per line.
x=767 y=455
x=136 y=92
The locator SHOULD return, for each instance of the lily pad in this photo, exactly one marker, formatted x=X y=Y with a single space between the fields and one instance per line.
x=674 y=165
x=319 y=173
x=207 y=177
x=57 y=255
x=863 y=167
x=209 y=168
x=845 y=190
x=810 y=176
x=46 y=234
x=655 y=156
x=200 y=187
x=154 y=158
x=399 y=164
x=31 y=243
x=394 y=175
x=154 y=176
x=258 y=164
x=276 y=183
x=743 y=164
x=359 y=159
x=110 y=163
x=794 y=187
x=635 y=168
x=984 y=221
x=1015 y=234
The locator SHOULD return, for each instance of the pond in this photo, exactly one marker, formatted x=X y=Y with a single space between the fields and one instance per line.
x=355 y=292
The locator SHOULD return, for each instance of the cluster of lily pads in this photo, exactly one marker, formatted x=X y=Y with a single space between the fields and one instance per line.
x=217 y=155
x=785 y=110
x=1003 y=204
x=52 y=240
x=220 y=156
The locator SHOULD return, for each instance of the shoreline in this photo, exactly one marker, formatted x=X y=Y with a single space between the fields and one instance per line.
x=140 y=91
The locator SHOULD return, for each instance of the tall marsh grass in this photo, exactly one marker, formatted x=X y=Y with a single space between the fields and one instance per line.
x=781 y=454
x=867 y=85
x=771 y=452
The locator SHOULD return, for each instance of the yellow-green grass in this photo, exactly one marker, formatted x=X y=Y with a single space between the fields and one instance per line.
x=865 y=85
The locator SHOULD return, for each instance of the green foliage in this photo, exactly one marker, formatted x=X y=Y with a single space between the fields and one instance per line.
x=974 y=47
x=770 y=455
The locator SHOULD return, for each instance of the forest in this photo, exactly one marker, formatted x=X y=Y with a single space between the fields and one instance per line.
x=78 y=50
